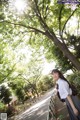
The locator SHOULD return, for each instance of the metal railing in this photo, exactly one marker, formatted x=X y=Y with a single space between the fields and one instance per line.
x=51 y=109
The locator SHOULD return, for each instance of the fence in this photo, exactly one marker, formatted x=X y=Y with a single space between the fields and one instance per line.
x=51 y=109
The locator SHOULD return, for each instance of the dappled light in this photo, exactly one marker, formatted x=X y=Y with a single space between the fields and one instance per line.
x=40 y=109
x=37 y=36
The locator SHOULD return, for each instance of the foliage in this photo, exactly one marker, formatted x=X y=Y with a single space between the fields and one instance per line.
x=44 y=29
x=62 y=62
x=44 y=24
x=38 y=21
x=45 y=83
x=10 y=110
x=5 y=94
x=2 y=107
x=75 y=80
x=20 y=93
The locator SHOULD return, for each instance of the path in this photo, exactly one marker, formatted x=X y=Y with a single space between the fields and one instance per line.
x=39 y=110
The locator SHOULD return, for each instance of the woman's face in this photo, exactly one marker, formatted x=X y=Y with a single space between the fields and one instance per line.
x=55 y=76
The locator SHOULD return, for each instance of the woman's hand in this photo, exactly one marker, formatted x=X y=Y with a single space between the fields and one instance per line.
x=76 y=112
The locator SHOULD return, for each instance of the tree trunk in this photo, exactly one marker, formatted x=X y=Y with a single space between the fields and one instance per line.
x=64 y=49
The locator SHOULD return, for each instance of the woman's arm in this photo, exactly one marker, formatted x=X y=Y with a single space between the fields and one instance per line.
x=72 y=105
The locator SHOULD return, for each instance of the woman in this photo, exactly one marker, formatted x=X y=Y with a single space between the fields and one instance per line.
x=65 y=93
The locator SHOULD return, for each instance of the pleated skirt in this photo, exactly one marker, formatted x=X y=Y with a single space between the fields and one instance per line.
x=76 y=102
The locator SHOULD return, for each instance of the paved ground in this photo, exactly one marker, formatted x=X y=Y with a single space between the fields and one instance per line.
x=39 y=110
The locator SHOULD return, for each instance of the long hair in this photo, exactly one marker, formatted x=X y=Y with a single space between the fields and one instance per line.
x=60 y=75
x=74 y=90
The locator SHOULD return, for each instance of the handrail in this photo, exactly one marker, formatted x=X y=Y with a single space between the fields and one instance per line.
x=51 y=108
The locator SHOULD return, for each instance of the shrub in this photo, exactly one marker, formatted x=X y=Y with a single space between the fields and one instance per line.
x=10 y=110
x=5 y=94
x=2 y=107
x=20 y=94
x=75 y=80
x=45 y=83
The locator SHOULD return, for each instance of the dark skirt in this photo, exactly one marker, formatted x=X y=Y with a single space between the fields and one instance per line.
x=76 y=102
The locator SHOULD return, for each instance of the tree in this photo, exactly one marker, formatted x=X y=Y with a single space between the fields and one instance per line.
x=62 y=62
x=45 y=83
x=58 y=55
x=44 y=19
x=7 y=61
x=33 y=74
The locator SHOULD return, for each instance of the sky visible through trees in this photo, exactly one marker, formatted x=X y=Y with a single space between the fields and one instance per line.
x=36 y=36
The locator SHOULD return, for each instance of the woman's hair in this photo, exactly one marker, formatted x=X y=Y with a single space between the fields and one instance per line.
x=60 y=74
x=74 y=90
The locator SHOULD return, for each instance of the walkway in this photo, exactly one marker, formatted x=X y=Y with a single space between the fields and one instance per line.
x=39 y=111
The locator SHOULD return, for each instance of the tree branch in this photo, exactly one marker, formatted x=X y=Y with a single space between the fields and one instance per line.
x=68 y=20
x=60 y=15
x=60 y=31
x=45 y=9
x=28 y=27
x=38 y=14
x=37 y=9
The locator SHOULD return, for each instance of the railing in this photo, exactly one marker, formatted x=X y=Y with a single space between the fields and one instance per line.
x=51 y=109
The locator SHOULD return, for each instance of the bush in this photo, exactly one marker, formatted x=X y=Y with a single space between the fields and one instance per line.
x=5 y=94
x=10 y=110
x=20 y=94
x=40 y=86
x=2 y=107
x=75 y=80
x=26 y=97
x=45 y=83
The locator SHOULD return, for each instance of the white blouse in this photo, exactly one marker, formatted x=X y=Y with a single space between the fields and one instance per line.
x=64 y=89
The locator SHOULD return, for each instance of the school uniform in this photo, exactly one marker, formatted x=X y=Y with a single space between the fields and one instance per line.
x=64 y=90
